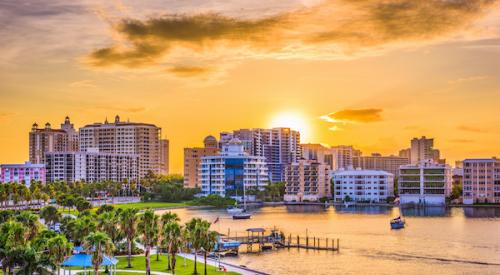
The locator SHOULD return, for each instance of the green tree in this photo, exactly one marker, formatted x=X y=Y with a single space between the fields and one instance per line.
x=194 y=237
x=30 y=221
x=98 y=244
x=59 y=248
x=12 y=243
x=148 y=230
x=166 y=218
x=108 y=223
x=50 y=215
x=173 y=240
x=128 y=225
x=82 y=228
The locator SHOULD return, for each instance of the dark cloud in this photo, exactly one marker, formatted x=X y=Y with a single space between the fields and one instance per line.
x=359 y=115
x=186 y=71
x=324 y=29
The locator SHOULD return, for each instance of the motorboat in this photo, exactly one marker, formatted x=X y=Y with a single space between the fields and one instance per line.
x=397 y=223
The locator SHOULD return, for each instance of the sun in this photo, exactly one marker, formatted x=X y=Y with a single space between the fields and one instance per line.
x=293 y=120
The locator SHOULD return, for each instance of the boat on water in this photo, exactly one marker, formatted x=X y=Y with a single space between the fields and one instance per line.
x=242 y=216
x=349 y=203
x=235 y=210
x=397 y=223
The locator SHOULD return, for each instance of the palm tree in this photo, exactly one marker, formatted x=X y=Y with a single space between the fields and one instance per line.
x=12 y=240
x=166 y=218
x=82 y=228
x=148 y=229
x=99 y=244
x=30 y=221
x=59 y=248
x=128 y=225
x=193 y=238
x=173 y=241
x=50 y=215
x=107 y=222
x=207 y=239
x=3 y=194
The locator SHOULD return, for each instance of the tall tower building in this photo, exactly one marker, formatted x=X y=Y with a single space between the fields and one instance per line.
x=192 y=160
x=120 y=137
x=164 y=156
x=422 y=149
x=279 y=146
x=46 y=140
x=343 y=156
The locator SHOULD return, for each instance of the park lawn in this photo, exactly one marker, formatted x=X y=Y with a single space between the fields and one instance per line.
x=139 y=264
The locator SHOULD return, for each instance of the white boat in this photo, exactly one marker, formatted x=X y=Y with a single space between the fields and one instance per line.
x=243 y=215
x=235 y=210
x=348 y=203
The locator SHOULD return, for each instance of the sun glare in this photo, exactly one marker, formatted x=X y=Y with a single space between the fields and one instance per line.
x=292 y=120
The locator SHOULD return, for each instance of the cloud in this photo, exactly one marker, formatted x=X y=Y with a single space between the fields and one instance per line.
x=82 y=84
x=187 y=71
x=349 y=116
x=467 y=79
x=473 y=129
x=333 y=29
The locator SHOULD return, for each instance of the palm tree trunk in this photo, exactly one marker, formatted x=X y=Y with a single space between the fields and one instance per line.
x=96 y=270
x=157 y=253
x=148 y=268
x=173 y=263
x=205 y=257
x=129 y=254
x=195 y=264
x=168 y=260
x=58 y=271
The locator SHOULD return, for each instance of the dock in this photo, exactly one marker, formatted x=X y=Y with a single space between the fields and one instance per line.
x=256 y=240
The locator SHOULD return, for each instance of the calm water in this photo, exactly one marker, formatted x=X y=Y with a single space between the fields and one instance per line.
x=437 y=240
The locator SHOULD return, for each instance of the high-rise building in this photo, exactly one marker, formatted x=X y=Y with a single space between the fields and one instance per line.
x=164 y=156
x=227 y=173
x=92 y=166
x=128 y=138
x=319 y=153
x=427 y=182
x=44 y=140
x=481 y=181
x=279 y=146
x=362 y=185
x=192 y=160
x=422 y=149
x=376 y=161
x=343 y=156
x=307 y=180
x=22 y=173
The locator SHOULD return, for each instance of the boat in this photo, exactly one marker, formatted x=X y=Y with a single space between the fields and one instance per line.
x=348 y=203
x=397 y=223
x=234 y=210
x=242 y=216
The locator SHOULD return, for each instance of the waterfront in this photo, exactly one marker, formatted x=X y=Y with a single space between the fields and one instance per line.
x=438 y=240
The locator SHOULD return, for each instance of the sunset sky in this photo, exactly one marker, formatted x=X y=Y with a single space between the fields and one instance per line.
x=369 y=73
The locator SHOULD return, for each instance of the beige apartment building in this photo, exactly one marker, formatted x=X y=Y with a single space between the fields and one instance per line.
x=130 y=138
x=192 y=160
x=47 y=140
x=307 y=181
x=376 y=161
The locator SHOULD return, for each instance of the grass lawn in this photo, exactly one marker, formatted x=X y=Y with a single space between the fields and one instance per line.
x=152 y=204
x=139 y=263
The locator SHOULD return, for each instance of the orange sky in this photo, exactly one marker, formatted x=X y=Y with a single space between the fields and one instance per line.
x=368 y=73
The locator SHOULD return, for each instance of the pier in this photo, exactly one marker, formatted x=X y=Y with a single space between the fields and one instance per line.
x=256 y=240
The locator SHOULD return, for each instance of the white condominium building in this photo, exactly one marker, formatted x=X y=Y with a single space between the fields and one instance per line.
x=227 y=173
x=127 y=138
x=363 y=185
x=91 y=166
x=427 y=182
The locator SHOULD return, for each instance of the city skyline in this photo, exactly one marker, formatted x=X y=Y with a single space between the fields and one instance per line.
x=438 y=78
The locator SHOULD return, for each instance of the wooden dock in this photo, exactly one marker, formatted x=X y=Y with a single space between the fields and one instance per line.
x=256 y=241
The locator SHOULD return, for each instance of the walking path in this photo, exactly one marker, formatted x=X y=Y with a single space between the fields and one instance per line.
x=230 y=267
x=90 y=271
